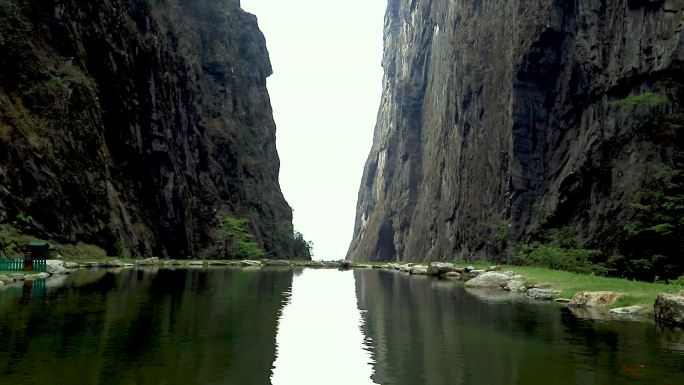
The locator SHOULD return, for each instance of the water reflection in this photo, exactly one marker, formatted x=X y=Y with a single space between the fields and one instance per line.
x=261 y=326
x=319 y=337
x=425 y=332
x=144 y=327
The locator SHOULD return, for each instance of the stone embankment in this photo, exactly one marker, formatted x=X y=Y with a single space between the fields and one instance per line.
x=491 y=278
x=668 y=309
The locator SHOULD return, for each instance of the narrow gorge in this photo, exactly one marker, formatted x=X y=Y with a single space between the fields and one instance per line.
x=501 y=120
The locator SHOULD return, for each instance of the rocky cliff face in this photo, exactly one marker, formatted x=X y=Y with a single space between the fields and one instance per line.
x=131 y=123
x=501 y=118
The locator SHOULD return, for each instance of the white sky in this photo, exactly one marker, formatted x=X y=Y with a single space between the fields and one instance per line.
x=325 y=91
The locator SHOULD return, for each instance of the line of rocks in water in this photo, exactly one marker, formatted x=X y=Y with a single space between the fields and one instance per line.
x=668 y=308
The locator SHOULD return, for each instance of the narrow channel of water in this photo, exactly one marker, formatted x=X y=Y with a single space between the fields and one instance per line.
x=282 y=326
x=319 y=337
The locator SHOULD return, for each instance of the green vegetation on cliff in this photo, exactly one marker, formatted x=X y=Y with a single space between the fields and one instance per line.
x=234 y=241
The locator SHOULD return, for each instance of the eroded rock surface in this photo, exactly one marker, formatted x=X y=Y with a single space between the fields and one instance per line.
x=130 y=124
x=669 y=308
x=594 y=298
x=496 y=119
x=490 y=279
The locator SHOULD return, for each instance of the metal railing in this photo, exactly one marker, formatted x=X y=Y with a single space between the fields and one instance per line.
x=12 y=264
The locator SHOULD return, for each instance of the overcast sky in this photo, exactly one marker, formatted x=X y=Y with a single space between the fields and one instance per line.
x=325 y=91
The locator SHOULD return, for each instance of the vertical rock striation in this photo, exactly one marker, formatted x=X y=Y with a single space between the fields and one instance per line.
x=131 y=123
x=496 y=120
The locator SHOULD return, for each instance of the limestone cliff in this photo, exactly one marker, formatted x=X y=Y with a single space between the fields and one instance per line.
x=131 y=123
x=500 y=118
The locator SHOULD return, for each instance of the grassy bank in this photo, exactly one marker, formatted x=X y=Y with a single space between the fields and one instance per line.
x=636 y=293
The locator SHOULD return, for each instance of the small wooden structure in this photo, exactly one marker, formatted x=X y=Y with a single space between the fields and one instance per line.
x=36 y=255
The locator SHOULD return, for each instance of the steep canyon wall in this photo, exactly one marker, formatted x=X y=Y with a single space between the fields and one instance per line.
x=131 y=124
x=501 y=118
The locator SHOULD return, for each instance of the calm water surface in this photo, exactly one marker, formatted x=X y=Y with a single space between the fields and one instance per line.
x=283 y=326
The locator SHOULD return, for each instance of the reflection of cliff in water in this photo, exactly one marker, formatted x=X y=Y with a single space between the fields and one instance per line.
x=146 y=327
x=426 y=332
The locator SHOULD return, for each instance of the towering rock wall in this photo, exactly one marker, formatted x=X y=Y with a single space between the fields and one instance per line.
x=498 y=119
x=132 y=123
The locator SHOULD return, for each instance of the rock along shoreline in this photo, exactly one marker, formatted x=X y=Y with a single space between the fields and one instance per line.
x=668 y=308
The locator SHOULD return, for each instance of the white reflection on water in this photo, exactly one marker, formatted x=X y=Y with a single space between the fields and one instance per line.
x=319 y=337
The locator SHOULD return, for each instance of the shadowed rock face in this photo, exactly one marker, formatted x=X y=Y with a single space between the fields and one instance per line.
x=131 y=123
x=496 y=120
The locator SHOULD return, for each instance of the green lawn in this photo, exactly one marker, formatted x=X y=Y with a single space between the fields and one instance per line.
x=636 y=293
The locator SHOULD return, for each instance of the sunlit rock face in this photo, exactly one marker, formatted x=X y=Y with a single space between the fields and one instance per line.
x=496 y=120
x=131 y=123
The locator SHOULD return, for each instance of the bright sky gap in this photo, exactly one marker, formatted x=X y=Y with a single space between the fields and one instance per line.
x=325 y=91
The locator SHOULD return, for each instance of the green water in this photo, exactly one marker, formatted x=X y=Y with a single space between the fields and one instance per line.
x=282 y=326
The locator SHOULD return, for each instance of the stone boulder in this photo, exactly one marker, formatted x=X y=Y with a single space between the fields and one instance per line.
x=17 y=276
x=278 y=262
x=35 y=277
x=5 y=279
x=594 y=298
x=91 y=265
x=345 y=264
x=669 y=308
x=249 y=262
x=115 y=263
x=218 y=263
x=57 y=270
x=439 y=268
x=515 y=285
x=475 y=273
x=54 y=262
x=628 y=311
x=491 y=279
x=453 y=275
x=148 y=262
x=71 y=265
x=314 y=264
x=542 y=294
x=196 y=263
x=406 y=268
x=419 y=270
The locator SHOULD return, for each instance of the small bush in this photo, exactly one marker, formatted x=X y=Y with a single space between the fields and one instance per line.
x=80 y=251
x=9 y=245
x=559 y=258
x=301 y=249
x=679 y=281
x=233 y=240
x=560 y=251
x=646 y=99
